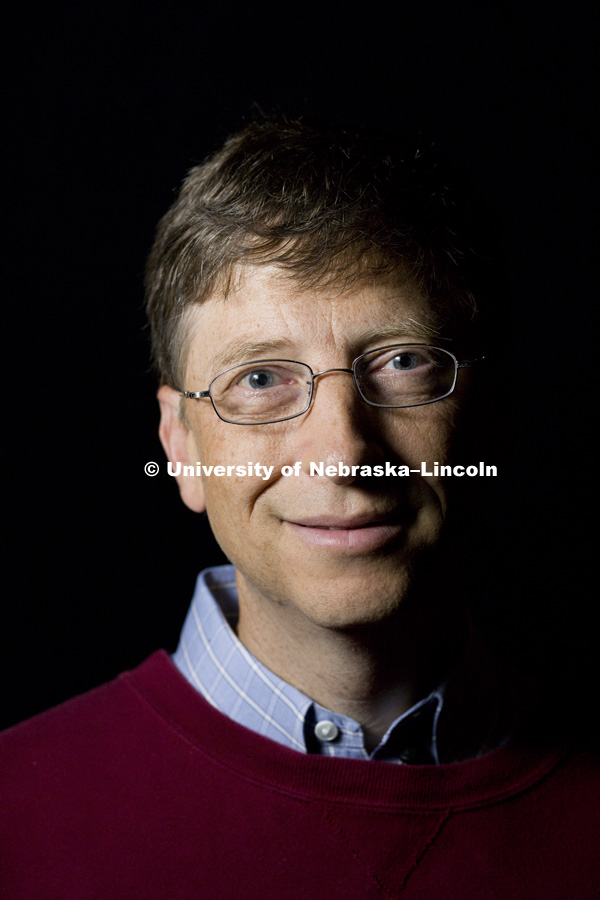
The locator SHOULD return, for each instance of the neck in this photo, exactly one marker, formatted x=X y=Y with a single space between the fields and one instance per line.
x=372 y=673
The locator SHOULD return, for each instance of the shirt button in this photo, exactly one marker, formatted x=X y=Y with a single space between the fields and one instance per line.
x=326 y=730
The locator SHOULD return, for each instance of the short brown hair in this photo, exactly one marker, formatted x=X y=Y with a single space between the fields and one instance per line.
x=325 y=203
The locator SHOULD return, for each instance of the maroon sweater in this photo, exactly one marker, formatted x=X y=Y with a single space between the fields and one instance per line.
x=140 y=789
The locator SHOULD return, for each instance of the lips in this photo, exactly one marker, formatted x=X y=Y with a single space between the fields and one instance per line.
x=346 y=523
x=349 y=533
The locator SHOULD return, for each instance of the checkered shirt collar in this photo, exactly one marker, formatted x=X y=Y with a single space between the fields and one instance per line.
x=213 y=659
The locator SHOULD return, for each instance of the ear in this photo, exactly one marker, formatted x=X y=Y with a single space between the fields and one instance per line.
x=180 y=447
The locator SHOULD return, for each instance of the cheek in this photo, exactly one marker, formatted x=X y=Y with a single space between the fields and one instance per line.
x=228 y=501
x=426 y=435
x=423 y=434
x=231 y=500
x=220 y=443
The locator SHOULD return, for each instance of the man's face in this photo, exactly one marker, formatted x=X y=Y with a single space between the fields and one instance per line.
x=340 y=551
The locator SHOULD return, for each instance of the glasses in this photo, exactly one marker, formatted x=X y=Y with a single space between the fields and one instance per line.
x=266 y=391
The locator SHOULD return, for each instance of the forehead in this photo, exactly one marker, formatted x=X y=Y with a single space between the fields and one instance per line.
x=266 y=313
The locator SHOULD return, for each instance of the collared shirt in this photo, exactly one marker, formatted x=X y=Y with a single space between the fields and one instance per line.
x=213 y=659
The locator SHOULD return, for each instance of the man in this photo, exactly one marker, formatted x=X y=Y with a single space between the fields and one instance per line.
x=329 y=722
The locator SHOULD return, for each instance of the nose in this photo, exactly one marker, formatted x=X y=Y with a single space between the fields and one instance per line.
x=338 y=429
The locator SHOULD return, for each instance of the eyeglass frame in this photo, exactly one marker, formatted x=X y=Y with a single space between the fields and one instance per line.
x=458 y=364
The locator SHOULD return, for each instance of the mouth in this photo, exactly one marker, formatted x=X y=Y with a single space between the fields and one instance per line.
x=355 y=533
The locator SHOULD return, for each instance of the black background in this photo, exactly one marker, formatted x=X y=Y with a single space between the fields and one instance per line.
x=109 y=105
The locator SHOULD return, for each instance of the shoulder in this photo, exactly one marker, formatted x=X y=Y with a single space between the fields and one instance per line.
x=69 y=750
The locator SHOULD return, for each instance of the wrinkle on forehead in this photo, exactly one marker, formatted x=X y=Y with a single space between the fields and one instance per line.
x=280 y=284
x=328 y=318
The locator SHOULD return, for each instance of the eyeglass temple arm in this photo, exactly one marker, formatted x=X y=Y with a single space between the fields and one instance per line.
x=195 y=395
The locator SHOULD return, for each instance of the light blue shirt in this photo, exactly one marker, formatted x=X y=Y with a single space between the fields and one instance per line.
x=213 y=659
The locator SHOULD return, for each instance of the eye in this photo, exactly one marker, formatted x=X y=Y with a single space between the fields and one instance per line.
x=259 y=379
x=404 y=361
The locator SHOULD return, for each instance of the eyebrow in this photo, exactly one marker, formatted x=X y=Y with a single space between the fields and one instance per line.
x=408 y=330
x=244 y=350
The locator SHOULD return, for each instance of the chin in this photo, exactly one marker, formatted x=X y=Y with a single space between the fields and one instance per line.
x=353 y=602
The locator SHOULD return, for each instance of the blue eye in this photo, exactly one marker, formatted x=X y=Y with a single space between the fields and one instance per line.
x=260 y=379
x=406 y=361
